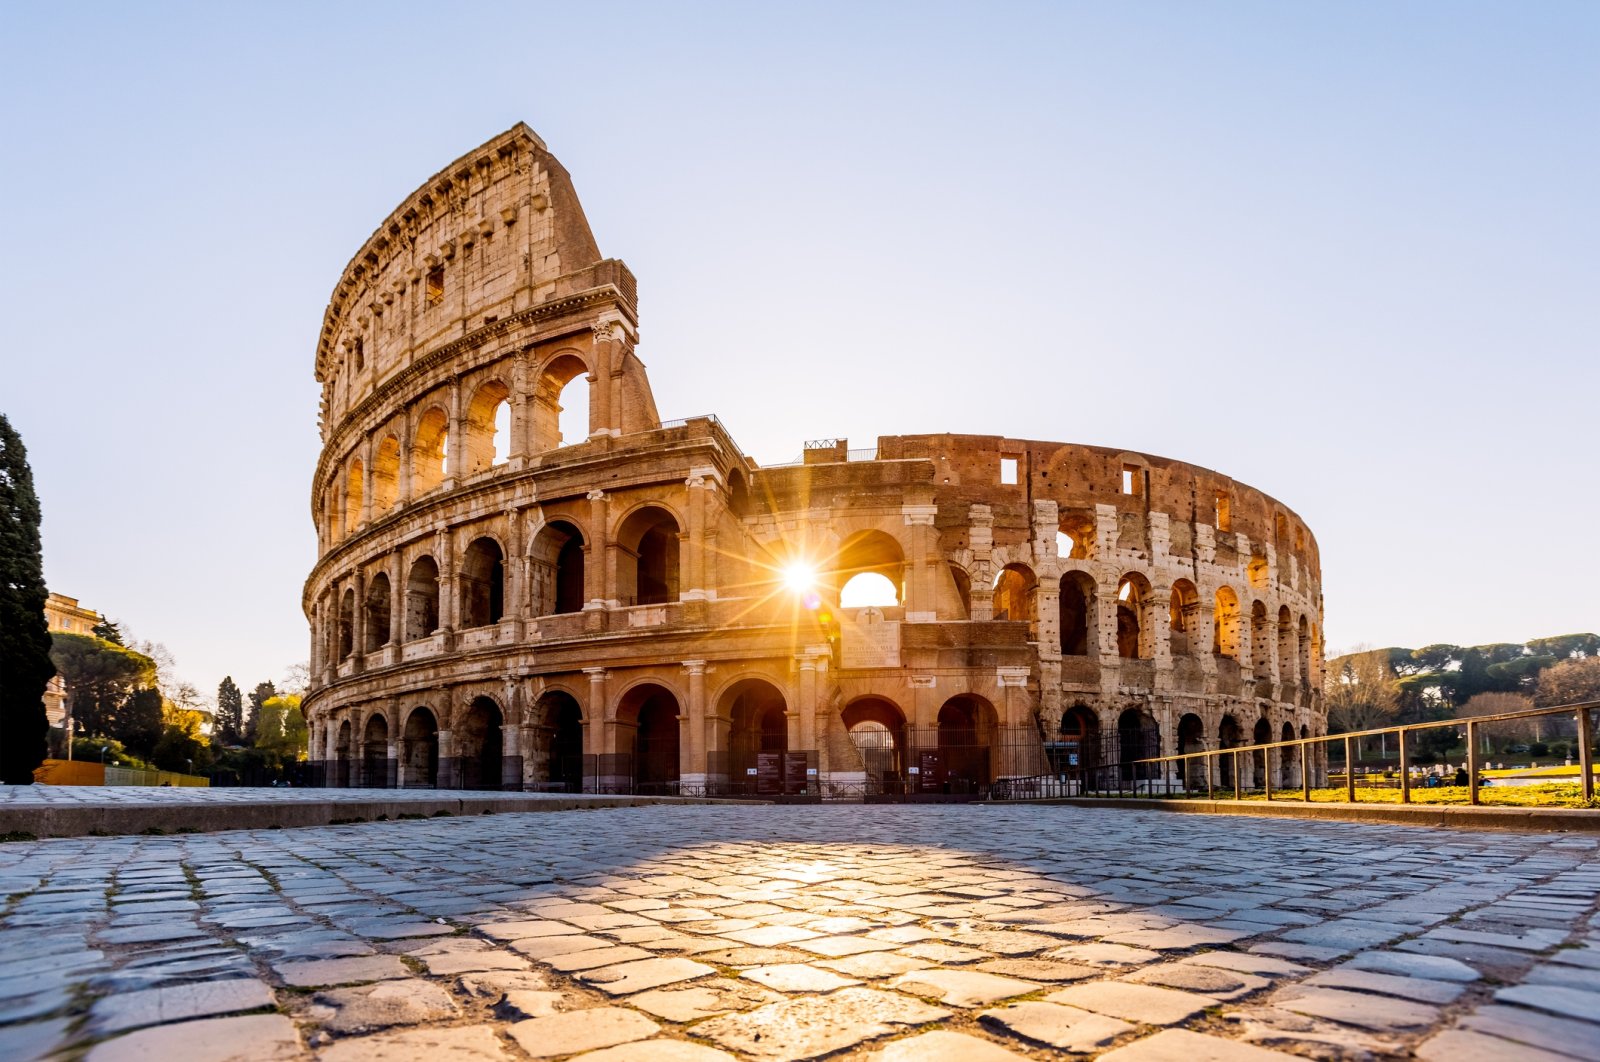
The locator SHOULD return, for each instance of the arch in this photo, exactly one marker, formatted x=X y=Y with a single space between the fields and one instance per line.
x=1257 y=572
x=963 y=583
x=647 y=716
x=758 y=729
x=330 y=513
x=862 y=556
x=376 y=619
x=347 y=623
x=1138 y=738
x=1287 y=650
x=1076 y=605
x=738 y=494
x=1076 y=752
x=483 y=582
x=1225 y=632
x=1135 y=629
x=1184 y=617
x=1260 y=639
x=487 y=431
x=341 y=756
x=1079 y=526
x=558 y=758
x=1192 y=738
x=480 y=745
x=354 y=485
x=419 y=750
x=386 y=474
x=377 y=772
x=1260 y=759
x=647 y=573
x=1016 y=596
x=877 y=729
x=557 y=569
x=967 y=725
x=1229 y=736
x=429 y=446
x=1288 y=757
x=1303 y=650
x=552 y=397
x=422 y=599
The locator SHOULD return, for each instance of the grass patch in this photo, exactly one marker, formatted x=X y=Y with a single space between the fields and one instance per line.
x=1548 y=795
x=17 y=835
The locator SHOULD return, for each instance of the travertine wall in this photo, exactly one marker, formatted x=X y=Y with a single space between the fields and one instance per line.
x=518 y=608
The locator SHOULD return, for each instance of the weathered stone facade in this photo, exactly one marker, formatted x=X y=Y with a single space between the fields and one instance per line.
x=496 y=608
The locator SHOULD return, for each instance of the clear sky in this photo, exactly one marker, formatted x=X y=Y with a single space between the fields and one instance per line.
x=1348 y=253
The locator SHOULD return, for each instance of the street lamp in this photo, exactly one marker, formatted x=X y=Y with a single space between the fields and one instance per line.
x=103 y=754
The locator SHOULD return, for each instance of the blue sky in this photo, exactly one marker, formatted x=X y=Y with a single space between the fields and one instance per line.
x=1343 y=252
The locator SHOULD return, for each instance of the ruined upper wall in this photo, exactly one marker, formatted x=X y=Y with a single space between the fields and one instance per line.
x=497 y=231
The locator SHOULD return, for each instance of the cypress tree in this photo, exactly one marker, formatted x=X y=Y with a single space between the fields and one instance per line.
x=230 y=712
x=25 y=666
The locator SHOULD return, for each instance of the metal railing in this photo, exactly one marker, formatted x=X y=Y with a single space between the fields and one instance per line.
x=1585 y=711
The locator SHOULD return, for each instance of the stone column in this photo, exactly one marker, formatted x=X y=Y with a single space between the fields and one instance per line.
x=455 y=460
x=920 y=601
x=807 y=706
x=980 y=521
x=403 y=488
x=397 y=602
x=366 y=480
x=1015 y=713
x=444 y=554
x=358 y=622
x=513 y=607
x=692 y=744
x=597 y=733
x=596 y=577
x=602 y=418
x=520 y=426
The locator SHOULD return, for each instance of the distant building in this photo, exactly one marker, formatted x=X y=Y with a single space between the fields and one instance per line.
x=62 y=613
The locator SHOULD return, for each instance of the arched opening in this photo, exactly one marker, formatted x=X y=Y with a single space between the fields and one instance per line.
x=648 y=571
x=963 y=583
x=1138 y=738
x=488 y=428
x=1260 y=640
x=1287 y=651
x=1078 y=528
x=341 y=756
x=868 y=571
x=1257 y=572
x=877 y=730
x=738 y=494
x=347 y=623
x=376 y=770
x=428 y=446
x=1225 y=632
x=1184 y=618
x=386 y=475
x=1192 y=738
x=331 y=514
x=1229 y=736
x=966 y=741
x=376 y=619
x=1076 y=602
x=483 y=580
x=1288 y=758
x=555 y=762
x=1135 y=631
x=480 y=746
x=758 y=737
x=557 y=569
x=1259 y=759
x=1016 y=596
x=354 y=480
x=419 y=750
x=1075 y=754
x=652 y=713
x=422 y=599
x=560 y=406
x=1304 y=655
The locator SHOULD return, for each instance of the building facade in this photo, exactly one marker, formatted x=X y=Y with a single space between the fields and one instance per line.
x=62 y=613
x=506 y=598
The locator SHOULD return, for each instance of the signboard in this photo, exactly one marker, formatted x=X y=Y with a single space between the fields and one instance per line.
x=930 y=769
x=769 y=773
x=795 y=772
x=868 y=640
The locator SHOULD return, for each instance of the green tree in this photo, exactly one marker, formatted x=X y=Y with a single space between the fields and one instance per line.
x=259 y=696
x=25 y=664
x=281 y=731
x=138 y=723
x=230 y=712
x=99 y=676
x=108 y=631
x=1564 y=646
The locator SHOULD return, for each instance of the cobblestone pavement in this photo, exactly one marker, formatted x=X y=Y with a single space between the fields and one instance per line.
x=680 y=934
x=26 y=796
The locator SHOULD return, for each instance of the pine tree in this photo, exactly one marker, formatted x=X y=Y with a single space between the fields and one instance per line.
x=25 y=667
x=230 y=712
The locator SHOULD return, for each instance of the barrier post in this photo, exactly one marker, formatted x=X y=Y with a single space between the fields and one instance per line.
x=1472 y=762
x=1405 y=768
x=1586 y=751
x=1349 y=774
x=1305 y=772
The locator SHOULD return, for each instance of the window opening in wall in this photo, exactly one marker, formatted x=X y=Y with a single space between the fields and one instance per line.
x=869 y=589
x=1130 y=479
x=1224 y=511
x=572 y=418
x=1008 y=470
x=502 y=433
x=435 y=288
x=1064 y=544
x=360 y=355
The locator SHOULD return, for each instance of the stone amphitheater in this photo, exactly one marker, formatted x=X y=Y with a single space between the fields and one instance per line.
x=526 y=579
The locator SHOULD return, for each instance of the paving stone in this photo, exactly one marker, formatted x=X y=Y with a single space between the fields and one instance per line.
x=575 y=961
x=944 y=954
x=153 y=1006
x=320 y=973
x=1181 y=1045
x=495 y=983
x=1056 y=1025
x=461 y=1043
x=1006 y=942
x=1567 y=976
x=941 y=1046
x=581 y=1030
x=656 y=1051
x=704 y=999
x=872 y=965
x=526 y=929
x=753 y=956
x=1579 y=1039
x=1040 y=970
x=38 y=1039
x=1110 y=956
x=1207 y=980
x=1247 y=962
x=1555 y=999
x=1415 y=988
x=1178 y=938
x=767 y=936
x=1146 y=1004
x=1406 y=964
x=1310 y=952
x=797 y=977
x=251 y=1038
x=962 y=988
x=630 y=977
x=517 y=1004
x=1378 y=1013
x=368 y=1008
x=1464 y=1045
x=550 y=947
x=839 y=947
x=812 y=1026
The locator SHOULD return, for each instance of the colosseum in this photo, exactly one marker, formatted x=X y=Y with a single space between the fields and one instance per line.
x=527 y=579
